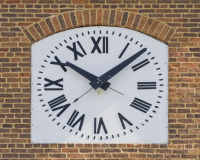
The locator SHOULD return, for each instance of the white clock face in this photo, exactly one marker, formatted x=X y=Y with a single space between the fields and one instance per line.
x=79 y=95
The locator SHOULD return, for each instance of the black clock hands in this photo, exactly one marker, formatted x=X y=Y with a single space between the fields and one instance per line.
x=87 y=75
x=99 y=81
x=90 y=77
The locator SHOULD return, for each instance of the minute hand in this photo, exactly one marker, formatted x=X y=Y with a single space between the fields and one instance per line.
x=97 y=82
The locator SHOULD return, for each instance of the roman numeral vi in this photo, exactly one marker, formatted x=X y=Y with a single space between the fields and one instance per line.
x=100 y=125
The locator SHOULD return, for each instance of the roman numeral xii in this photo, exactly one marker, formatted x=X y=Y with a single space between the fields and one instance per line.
x=96 y=44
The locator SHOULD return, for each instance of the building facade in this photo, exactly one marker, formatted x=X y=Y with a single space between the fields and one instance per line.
x=174 y=22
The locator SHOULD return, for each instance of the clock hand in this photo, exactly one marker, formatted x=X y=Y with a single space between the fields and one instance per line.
x=116 y=91
x=87 y=75
x=82 y=95
x=90 y=90
x=97 y=82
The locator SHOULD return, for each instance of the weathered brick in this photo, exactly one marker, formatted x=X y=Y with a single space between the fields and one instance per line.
x=188 y=156
x=35 y=150
x=56 y=24
x=50 y=25
x=4 y=130
x=9 y=155
x=169 y=35
x=57 y=155
x=147 y=25
x=99 y=16
x=105 y=17
x=9 y=15
x=45 y=28
x=18 y=151
x=124 y=18
x=130 y=20
x=112 y=17
x=136 y=21
x=102 y=155
x=93 y=17
x=120 y=155
x=147 y=11
x=86 y=18
x=138 y=155
x=112 y=150
x=67 y=20
x=79 y=18
x=164 y=32
x=153 y=27
x=29 y=36
x=118 y=18
x=33 y=31
x=73 y=19
x=9 y=34
x=61 y=21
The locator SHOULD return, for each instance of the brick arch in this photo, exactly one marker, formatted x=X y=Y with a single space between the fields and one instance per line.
x=100 y=17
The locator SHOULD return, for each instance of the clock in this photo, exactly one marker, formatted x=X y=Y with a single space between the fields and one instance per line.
x=99 y=85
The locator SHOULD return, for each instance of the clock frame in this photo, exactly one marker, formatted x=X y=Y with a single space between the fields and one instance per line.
x=92 y=45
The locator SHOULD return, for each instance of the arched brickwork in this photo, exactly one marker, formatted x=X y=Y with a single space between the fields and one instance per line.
x=101 y=17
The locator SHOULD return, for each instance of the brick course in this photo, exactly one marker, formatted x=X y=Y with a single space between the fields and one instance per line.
x=175 y=22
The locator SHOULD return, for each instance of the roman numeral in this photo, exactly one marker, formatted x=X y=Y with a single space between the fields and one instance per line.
x=54 y=104
x=124 y=50
x=101 y=124
x=96 y=44
x=73 y=118
x=146 y=85
x=60 y=86
x=140 y=105
x=58 y=62
x=140 y=65
x=74 y=50
x=122 y=119
x=105 y=44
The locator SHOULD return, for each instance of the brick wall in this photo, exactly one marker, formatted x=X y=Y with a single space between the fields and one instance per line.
x=175 y=22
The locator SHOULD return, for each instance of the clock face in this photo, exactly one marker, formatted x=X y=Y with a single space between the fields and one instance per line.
x=99 y=85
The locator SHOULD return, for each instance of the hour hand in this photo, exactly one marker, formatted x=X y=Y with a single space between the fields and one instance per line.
x=87 y=75
x=112 y=72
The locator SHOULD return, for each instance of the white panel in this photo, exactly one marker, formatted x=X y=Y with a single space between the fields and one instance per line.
x=49 y=123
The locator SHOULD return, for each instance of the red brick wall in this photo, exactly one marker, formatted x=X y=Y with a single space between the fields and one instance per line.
x=175 y=22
